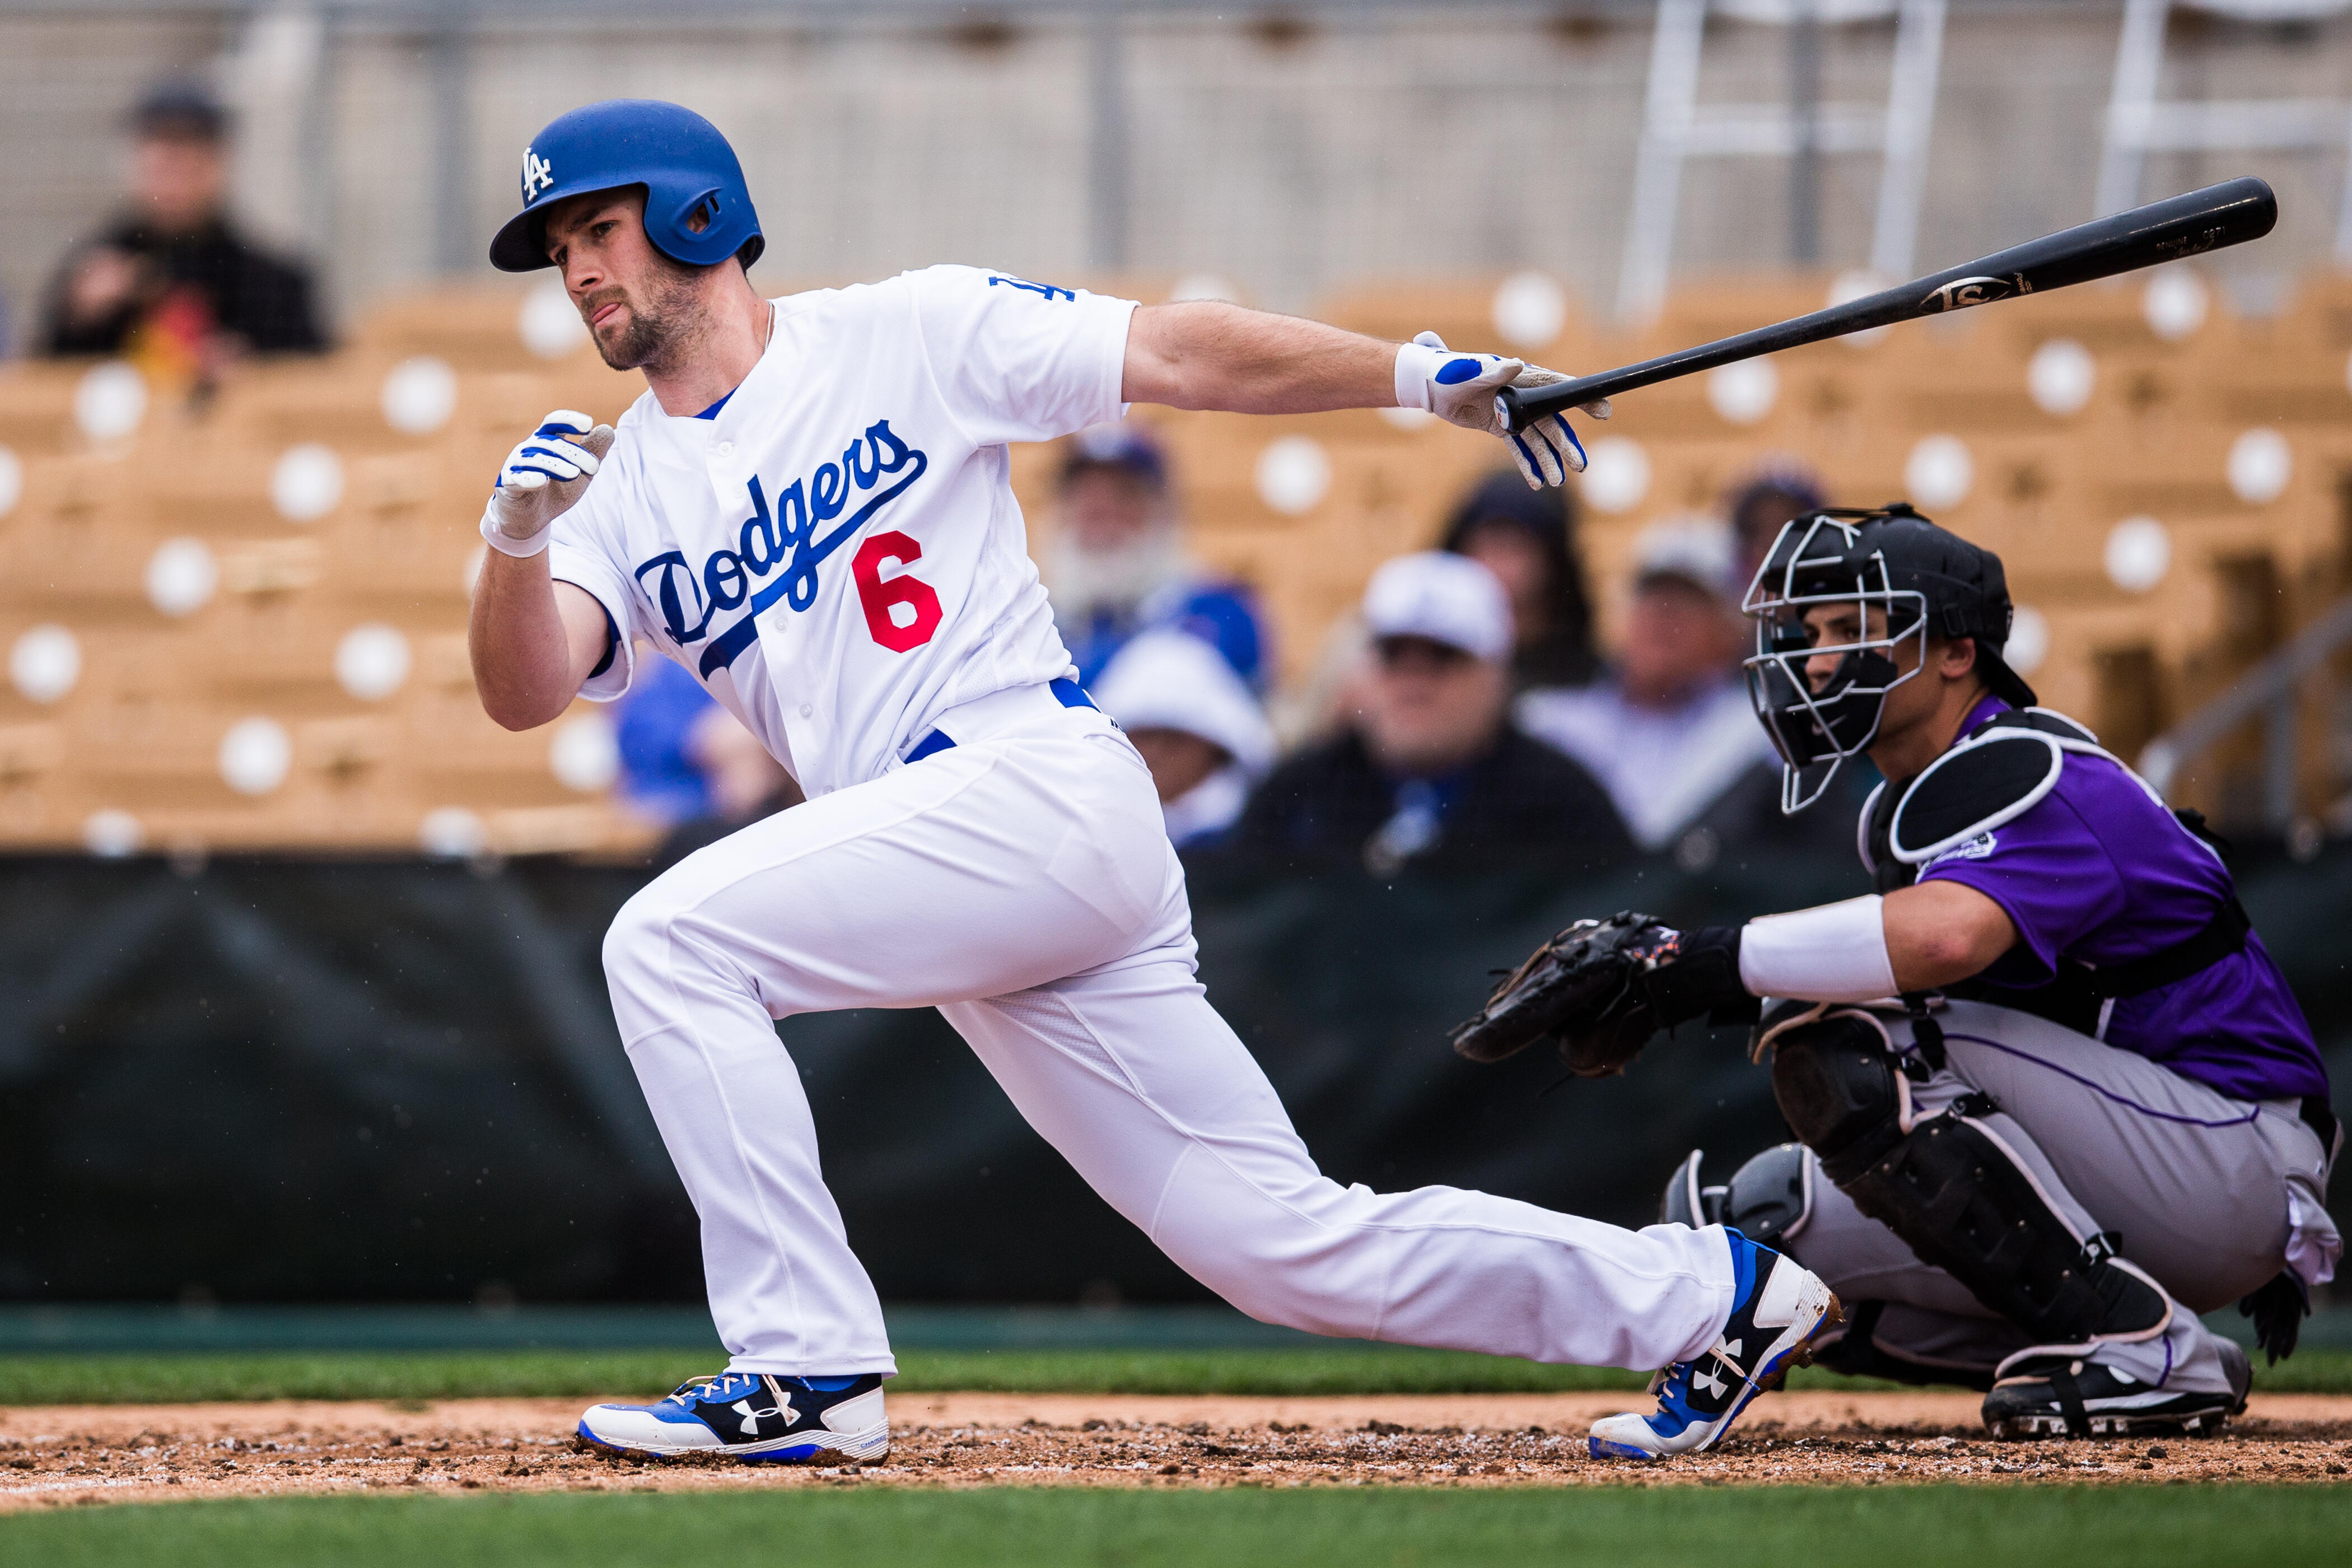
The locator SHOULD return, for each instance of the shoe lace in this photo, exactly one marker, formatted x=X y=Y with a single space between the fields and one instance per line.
x=705 y=1387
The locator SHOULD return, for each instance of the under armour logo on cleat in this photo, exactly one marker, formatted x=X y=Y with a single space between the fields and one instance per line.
x=751 y=1418
x=1707 y=1380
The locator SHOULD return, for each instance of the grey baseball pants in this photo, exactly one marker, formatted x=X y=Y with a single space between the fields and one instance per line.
x=2213 y=1196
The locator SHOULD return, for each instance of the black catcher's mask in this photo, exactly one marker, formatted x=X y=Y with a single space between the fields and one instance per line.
x=1905 y=580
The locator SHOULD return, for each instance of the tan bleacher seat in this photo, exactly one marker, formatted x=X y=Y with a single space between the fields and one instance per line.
x=37 y=418
x=473 y=326
x=1461 y=312
x=2108 y=318
x=2288 y=370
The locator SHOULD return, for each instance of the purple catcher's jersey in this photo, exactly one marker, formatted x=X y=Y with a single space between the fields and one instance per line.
x=2099 y=873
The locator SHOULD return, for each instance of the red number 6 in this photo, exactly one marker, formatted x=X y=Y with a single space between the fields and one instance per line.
x=885 y=601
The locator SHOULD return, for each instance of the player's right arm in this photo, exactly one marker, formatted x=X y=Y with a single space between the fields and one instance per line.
x=1206 y=354
x=535 y=641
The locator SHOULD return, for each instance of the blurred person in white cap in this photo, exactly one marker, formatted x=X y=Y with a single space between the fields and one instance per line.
x=1669 y=729
x=1201 y=730
x=1431 y=770
x=1116 y=565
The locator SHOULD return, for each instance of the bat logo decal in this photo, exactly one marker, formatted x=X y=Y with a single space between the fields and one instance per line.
x=1963 y=292
x=2189 y=244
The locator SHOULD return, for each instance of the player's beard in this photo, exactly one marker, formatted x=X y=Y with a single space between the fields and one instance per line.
x=1083 y=582
x=665 y=320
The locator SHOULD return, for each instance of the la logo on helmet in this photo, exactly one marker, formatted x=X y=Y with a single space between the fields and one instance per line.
x=538 y=173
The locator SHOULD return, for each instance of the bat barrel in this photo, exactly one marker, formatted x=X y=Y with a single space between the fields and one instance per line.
x=2231 y=212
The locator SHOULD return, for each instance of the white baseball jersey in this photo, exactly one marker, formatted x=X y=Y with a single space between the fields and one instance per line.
x=837 y=555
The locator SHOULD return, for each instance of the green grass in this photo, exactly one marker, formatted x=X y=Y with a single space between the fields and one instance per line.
x=448 y=1374
x=1925 y=1527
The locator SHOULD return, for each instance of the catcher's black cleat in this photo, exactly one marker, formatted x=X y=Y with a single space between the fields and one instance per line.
x=2061 y=1395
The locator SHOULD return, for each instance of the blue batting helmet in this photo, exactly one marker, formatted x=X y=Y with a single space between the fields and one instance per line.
x=690 y=174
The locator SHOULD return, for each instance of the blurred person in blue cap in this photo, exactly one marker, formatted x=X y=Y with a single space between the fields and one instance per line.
x=1528 y=540
x=1432 y=772
x=1776 y=490
x=1116 y=565
x=660 y=779
x=737 y=781
x=168 y=283
x=1198 y=725
x=1669 y=729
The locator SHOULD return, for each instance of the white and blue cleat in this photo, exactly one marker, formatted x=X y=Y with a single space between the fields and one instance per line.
x=1780 y=1310
x=759 y=1417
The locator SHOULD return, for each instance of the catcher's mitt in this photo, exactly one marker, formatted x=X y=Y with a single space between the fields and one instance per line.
x=1602 y=988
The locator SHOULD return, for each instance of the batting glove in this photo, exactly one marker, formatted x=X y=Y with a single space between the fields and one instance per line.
x=1460 y=388
x=543 y=476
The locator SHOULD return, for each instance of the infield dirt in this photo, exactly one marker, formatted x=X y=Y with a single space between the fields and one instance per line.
x=53 y=1455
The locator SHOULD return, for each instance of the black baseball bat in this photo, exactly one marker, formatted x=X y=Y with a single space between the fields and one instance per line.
x=2231 y=212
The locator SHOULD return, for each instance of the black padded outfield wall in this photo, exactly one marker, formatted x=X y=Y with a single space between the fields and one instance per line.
x=289 y=1081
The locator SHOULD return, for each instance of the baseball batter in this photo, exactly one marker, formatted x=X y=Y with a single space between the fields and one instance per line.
x=2052 y=1098
x=808 y=509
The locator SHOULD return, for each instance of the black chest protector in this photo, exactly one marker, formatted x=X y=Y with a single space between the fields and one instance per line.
x=1997 y=773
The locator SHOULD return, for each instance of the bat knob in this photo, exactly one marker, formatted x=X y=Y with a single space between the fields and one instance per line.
x=1508 y=410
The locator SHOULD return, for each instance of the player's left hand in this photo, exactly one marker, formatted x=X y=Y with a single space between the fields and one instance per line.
x=1460 y=388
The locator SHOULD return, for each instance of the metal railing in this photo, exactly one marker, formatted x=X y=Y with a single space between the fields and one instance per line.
x=2273 y=691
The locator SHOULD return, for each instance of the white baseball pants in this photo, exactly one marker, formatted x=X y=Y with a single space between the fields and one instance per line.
x=1021 y=882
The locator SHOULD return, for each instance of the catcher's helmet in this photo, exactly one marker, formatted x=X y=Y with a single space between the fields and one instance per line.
x=1924 y=581
x=689 y=172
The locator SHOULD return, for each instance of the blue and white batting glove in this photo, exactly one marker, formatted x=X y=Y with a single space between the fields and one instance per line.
x=540 y=478
x=1460 y=388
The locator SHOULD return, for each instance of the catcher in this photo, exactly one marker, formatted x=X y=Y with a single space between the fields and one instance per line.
x=2052 y=1097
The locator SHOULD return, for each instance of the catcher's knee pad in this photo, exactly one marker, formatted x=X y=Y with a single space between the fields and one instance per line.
x=1772 y=1196
x=1768 y=1199
x=1839 y=1088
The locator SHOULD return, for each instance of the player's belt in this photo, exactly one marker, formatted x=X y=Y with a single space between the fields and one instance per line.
x=1068 y=693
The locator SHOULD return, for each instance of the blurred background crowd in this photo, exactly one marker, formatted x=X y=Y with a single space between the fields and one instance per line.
x=1403 y=713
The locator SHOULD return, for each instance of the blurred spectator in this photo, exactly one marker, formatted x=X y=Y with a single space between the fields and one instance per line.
x=659 y=776
x=1432 y=772
x=1527 y=539
x=1117 y=566
x=1670 y=730
x=1780 y=489
x=1199 y=728
x=745 y=785
x=169 y=284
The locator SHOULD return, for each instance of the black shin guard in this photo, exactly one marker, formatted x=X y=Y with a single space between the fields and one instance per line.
x=1950 y=1191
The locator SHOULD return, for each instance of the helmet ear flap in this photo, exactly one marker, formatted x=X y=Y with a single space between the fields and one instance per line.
x=688 y=221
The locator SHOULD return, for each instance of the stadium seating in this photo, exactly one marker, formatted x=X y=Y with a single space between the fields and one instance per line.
x=239 y=624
